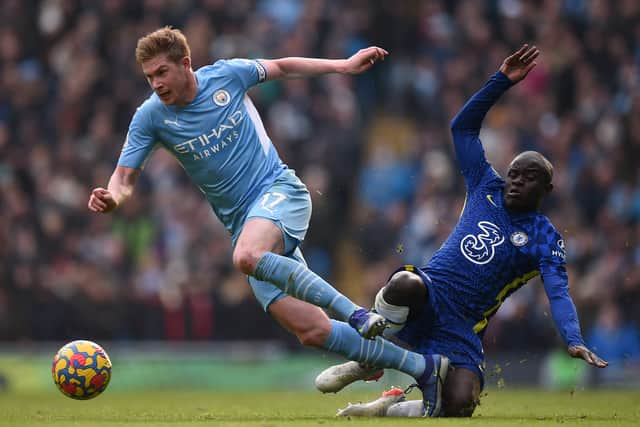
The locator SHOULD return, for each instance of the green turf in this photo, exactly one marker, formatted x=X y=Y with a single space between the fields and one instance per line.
x=177 y=408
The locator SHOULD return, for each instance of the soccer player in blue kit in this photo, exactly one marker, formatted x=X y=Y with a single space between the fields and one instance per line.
x=205 y=119
x=500 y=242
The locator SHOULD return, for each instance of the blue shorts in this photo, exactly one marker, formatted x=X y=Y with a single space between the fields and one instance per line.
x=287 y=204
x=440 y=328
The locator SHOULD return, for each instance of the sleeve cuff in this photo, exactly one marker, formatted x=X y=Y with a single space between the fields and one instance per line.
x=502 y=78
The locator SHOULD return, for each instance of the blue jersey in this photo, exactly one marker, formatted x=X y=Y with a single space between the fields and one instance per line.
x=218 y=138
x=492 y=252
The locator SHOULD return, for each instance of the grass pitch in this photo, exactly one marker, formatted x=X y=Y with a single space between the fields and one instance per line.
x=269 y=409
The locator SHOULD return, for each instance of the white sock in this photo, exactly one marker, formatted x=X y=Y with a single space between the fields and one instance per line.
x=408 y=408
x=396 y=315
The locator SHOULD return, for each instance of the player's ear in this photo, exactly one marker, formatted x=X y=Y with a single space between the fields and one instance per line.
x=548 y=189
x=186 y=62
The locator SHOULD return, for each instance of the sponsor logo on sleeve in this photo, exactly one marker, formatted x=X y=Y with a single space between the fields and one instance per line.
x=559 y=251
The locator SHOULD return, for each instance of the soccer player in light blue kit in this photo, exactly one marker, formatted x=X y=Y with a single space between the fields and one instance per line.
x=500 y=242
x=208 y=123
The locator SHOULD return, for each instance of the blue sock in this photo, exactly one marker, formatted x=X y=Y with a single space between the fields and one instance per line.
x=298 y=281
x=344 y=340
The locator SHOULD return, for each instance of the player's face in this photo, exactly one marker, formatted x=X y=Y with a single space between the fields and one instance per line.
x=526 y=185
x=168 y=79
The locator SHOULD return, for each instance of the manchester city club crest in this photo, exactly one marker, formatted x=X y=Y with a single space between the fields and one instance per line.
x=221 y=97
x=519 y=238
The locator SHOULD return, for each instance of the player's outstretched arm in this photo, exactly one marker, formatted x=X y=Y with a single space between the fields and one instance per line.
x=565 y=315
x=517 y=65
x=296 y=67
x=120 y=188
x=582 y=352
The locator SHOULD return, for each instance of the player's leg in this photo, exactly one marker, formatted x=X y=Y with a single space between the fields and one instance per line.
x=460 y=396
x=380 y=407
x=461 y=393
x=258 y=255
x=276 y=225
x=392 y=403
x=313 y=328
x=405 y=296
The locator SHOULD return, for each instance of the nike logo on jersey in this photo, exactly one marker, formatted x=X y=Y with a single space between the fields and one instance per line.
x=490 y=199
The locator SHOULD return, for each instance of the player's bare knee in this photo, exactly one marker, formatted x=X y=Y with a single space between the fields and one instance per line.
x=461 y=393
x=246 y=260
x=460 y=403
x=406 y=289
x=314 y=334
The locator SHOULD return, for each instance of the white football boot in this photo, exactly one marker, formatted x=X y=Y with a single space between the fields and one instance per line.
x=337 y=377
x=376 y=408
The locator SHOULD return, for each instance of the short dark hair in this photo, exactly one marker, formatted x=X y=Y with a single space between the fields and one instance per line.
x=542 y=160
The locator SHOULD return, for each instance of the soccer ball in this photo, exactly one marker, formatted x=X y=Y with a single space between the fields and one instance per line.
x=81 y=370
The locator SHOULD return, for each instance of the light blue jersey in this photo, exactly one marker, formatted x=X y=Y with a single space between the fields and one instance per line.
x=218 y=138
x=220 y=141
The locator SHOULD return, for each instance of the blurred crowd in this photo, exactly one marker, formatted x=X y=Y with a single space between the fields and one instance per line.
x=374 y=150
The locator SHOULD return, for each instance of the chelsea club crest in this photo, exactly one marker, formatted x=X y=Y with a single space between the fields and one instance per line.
x=519 y=238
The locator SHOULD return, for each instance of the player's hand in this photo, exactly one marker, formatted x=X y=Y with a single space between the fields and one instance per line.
x=364 y=59
x=517 y=66
x=101 y=200
x=582 y=352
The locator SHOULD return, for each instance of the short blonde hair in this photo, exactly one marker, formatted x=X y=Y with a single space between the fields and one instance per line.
x=164 y=41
